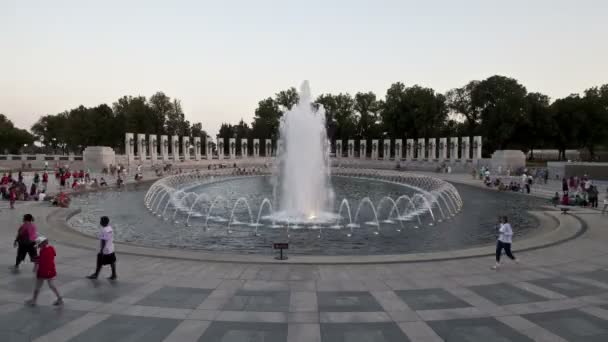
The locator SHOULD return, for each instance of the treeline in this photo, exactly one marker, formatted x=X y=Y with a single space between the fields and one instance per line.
x=74 y=130
x=13 y=139
x=498 y=108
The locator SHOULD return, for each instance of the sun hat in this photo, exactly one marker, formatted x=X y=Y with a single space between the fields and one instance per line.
x=40 y=239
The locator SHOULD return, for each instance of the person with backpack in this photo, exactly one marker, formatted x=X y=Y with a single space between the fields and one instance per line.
x=106 y=254
x=25 y=241
x=45 y=271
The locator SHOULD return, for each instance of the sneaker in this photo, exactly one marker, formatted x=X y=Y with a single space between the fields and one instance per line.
x=58 y=302
x=112 y=277
x=495 y=267
x=30 y=302
x=92 y=276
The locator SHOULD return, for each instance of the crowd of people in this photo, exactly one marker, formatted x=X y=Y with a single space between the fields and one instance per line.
x=523 y=185
x=580 y=191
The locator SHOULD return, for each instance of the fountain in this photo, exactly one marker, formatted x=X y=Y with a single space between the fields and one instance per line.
x=303 y=164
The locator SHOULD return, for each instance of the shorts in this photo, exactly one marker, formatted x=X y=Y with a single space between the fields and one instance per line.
x=106 y=259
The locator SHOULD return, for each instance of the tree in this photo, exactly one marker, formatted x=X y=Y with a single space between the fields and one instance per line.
x=12 y=139
x=266 y=119
x=501 y=103
x=566 y=115
x=460 y=102
x=537 y=125
x=340 y=118
x=414 y=112
x=287 y=98
x=367 y=107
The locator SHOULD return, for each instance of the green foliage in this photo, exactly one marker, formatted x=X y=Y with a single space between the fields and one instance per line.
x=77 y=128
x=12 y=139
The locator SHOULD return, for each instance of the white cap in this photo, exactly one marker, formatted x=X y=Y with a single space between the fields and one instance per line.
x=40 y=239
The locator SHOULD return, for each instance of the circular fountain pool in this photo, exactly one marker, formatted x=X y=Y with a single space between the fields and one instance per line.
x=369 y=213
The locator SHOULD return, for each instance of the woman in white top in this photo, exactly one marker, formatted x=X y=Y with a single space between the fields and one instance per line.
x=505 y=236
x=106 y=254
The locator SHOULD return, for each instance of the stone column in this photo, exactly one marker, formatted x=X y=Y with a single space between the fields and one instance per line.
x=244 y=148
x=175 y=148
x=443 y=149
x=197 y=148
x=186 y=144
x=350 y=148
x=386 y=149
x=477 y=147
x=454 y=148
x=141 y=147
x=432 y=149
x=232 y=148
x=268 y=150
x=208 y=148
x=464 y=145
x=130 y=145
x=421 y=149
x=409 y=149
x=338 y=148
x=398 y=149
x=220 y=148
x=375 y=148
x=164 y=147
x=153 y=148
x=362 y=148
x=256 y=148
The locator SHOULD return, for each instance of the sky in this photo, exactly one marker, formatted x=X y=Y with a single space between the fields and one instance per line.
x=220 y=58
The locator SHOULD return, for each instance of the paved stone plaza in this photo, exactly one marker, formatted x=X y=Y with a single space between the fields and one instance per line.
x=557 y=293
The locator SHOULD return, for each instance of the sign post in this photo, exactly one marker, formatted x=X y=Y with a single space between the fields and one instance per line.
x=281 y=246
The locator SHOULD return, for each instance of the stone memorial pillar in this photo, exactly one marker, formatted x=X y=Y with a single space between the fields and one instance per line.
x=141 y=147
x=220 y=148
x=350 y=148
x=421 y=148
x=153 y=148
x=362 y=149
x=454 y=148
x=208 y=148
x=443 y=149
x=197 y=148
x=130 y=146
x=477 y=147
x=466 y=153
x=375 y=148
x=409 y=149
x=175 y=148
x=256 y=148
x=432 y=149
x=386 y=149
x=232 y=148
x=244 y=148
x=338 y=148
x=186 y=144
x=164 y=147
x=268 y=150
x=398 y=149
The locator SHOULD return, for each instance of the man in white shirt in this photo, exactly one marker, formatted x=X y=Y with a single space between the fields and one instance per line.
x=505 y=238
x=106 y=254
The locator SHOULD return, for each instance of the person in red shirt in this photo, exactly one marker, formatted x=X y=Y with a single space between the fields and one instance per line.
x=45 y=270
x=45 y=180
x=81 y=175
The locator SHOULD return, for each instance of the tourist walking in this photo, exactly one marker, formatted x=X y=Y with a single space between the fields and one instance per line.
x=25 y=241
x=106 y=254
x=505 y=236
x=45 y=271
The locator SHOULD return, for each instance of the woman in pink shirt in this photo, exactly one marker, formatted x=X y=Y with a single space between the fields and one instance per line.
x=26 y=241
